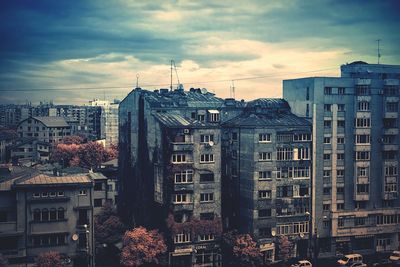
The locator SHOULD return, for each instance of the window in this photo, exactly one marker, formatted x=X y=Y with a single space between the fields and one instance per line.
x=207 y=237
x=362 y=171
x=178 y=158
x=327 y=91
x=206 y=177
x=264 y=213
x=60 y=193
x=363 y=122
x=284 y=153
x=327 y=140
x=264 y=156
x=327 y=107
x=390 y=170
x=207 y=216
x=340 y=206
x=206 y=158
x=98 y=186
x=302 y=137
x=284 y=191
x=363 y=90
x=234 y=136
x=184 y=177
x=327 y=123
x=339 y=173
x=45 y=194
x=362 y=188
x=341 y=124
x=206 y=138
x=262 y=175
x=359 y=221
x=182 y=198
x=340 y=190
x=36 y=195
x=303 y=153
x=61 y=213
x=284 y=138
x=341 y=107
x=45 y=215
x=264 y=138
x=327 y=156
x=341 y=220
x=341 y=91
x=98 y=202
x=83 y=192
x=301 y=172
x=201 y=117
x=363 y=106
x=362 y=155
x=182 y=238
x=264 y=194
x=340 y=156
x=213 y=115
x=206 y=197
x=327 y=191
x=53 y=214
x=327 y=173
x=392 y=107
x=37 y=215
x=326 y=207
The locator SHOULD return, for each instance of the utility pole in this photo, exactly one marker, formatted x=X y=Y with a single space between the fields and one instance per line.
x=171 y=75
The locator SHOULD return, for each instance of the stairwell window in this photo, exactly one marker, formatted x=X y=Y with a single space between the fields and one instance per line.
x=184 y=177
x=264 y=156
x=178 y=158
x=181 y=198
x=206 y=158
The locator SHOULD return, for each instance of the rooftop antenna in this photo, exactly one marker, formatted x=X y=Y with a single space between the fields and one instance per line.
x=137 y=80
x=233 y=89
x=176 y=72
x=171 y=75
x=379 y=50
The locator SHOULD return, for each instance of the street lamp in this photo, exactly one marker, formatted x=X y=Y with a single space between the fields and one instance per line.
x=314 y=236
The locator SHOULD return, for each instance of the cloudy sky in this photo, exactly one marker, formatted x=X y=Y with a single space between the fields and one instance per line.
x=73 y=51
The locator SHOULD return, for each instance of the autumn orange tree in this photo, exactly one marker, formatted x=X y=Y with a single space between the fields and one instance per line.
x=141 y=246
x=284 y=248
x=49 y=259
x=240 y=250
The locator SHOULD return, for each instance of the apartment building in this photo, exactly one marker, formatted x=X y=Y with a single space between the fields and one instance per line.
x=46 y=129
x=29 y=149
x=355 y=123
x=40 y=213
x=267 y=174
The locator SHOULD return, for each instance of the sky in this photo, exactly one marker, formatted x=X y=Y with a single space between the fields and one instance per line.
x=70 y=52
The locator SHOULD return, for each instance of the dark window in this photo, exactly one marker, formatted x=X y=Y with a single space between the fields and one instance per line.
x=206 y=177
x=61 y=214
x=53 y=214
x=98 y=186
x=207 y=216
x=98 y=202
x=264 y=213
x=265 y=232
x=234 y=136
x=45 y=215
x=36 y=215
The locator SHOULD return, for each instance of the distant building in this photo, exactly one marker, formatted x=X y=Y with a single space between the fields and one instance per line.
x=40 y=213
x=355 y=118
x=29 y=149
x=46 y=129
x=267 y=173
x=6 y=140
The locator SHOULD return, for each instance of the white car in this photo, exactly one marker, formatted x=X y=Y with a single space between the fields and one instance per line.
x=395 y=256
x=302 y=263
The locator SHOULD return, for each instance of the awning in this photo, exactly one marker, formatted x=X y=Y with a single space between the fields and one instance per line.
x=213 y=111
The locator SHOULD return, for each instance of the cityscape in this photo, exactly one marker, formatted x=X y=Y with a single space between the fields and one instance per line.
x=234 y=151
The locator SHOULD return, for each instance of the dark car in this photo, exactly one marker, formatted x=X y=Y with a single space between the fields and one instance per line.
x=382 y=263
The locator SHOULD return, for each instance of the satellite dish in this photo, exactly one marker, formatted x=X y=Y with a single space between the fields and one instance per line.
x=211 y=143
x=301 y=235
x=75 y=237
x=273 y=233
x=203 y=91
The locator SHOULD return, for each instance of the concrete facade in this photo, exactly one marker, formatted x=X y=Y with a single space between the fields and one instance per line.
x=355 y=149
x=41 y=213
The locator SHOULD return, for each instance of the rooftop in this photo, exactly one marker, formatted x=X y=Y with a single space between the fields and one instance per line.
x=178 y=121
x=42 y=179
x=52 y=121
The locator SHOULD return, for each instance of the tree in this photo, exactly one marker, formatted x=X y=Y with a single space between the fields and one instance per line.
x=91 y=154
x=49 y=259
x=241 y=249
x=108 y=227
x=64 y=153
x=111 y=152
x=141 y=246
x=285 y=248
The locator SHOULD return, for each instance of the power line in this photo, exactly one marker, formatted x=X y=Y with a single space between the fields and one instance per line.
x=164 y=84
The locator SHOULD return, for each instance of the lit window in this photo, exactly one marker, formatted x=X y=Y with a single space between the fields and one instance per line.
x=182 y=238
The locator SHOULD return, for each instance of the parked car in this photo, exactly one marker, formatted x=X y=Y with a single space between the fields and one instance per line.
x=382 y=263
x=302 y=263
x=349 y=259
x=359 y=264
x=395 y=256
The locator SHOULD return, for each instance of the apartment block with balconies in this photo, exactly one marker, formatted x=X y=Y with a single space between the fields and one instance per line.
x=356 y=137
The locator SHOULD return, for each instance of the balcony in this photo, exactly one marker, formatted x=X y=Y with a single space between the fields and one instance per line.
x=363 y=81
x=49 y=199
x=183 y=187
x=390 y=115
x=182 y=147
x=361 y=197
x=362 y=180
x=390 y=147
x=390 y=131
x=183 y=206
x=390 y=195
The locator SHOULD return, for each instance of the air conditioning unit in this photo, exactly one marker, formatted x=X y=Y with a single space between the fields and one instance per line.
x=186 y=131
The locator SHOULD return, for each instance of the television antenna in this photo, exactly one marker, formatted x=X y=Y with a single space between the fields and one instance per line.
x=173 y=67
x=232 y=93
x=379 y=50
